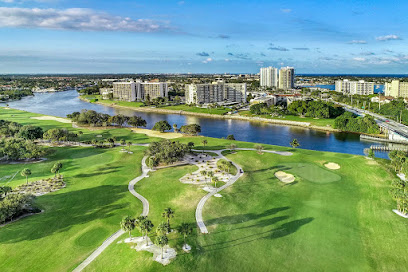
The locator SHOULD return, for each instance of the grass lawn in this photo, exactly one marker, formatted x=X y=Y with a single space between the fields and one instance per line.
x=327 y=220
x=219 y=111
x=315 y=122
x=77 y=218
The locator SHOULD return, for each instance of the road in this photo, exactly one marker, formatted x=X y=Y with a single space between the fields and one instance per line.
x=389 y=124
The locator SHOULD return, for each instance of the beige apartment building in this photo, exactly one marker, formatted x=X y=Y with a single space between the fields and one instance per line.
x=139 y=91
x=396 y=88
x=286 y=78
x=215 y=92
x=360 y=87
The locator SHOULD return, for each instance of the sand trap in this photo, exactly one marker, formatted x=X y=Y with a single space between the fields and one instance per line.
x=332 y=166
x=153 y=133
x=218 y=195
x=285 y=177
x=53 y=118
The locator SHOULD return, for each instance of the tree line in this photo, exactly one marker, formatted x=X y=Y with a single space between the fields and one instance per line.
x=353 y=123
x=93 y=118
x=315 y=109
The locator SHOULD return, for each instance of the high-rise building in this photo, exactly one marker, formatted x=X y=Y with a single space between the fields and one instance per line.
x=396 y=88
x=215 y=92
x=360 y=87
x=286 y=78
x=140 y=91
x=269 y=77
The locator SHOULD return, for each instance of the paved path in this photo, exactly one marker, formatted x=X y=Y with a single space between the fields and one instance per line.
x=116 y=235
x=240 y=172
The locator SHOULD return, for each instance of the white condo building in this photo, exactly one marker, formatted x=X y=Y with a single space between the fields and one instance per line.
x=396 y=89
x=215 y=92
x=139 y=91
x=269 y=77
x=360 y=87
x=286 y=78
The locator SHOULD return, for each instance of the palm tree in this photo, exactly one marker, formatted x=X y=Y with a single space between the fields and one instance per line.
x=146 y=226
x=5 y=190
x=175 y=127
x=204 y=144
x=167 y=214
x=210 y=174
x=162 y=228
x=162 y=241
x=25 y=173
x=123 y=142
x=128 y=224
x=259 y=148
x=215 y=180
x=185 y=229
x=138 y=223
x=294 y=143
x=129 y=144
x=204 y=174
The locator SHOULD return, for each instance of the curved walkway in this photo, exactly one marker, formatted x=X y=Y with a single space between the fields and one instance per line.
x=116 y=235
x=240 y=172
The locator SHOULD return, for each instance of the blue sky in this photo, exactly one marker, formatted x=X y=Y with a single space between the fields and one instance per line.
x=122 y=36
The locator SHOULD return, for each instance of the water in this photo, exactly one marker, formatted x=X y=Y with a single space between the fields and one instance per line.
x=62 y=103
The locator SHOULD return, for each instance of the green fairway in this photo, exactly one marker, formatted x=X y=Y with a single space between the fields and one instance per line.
x=328 y=220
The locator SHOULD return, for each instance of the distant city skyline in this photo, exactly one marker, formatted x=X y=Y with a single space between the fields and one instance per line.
x=315 y=37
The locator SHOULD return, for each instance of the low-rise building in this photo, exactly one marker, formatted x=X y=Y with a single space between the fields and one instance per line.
x=360 y=87
x=382 y=99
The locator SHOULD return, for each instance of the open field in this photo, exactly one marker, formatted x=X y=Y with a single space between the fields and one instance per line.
x=311 y=120
x=327 y=220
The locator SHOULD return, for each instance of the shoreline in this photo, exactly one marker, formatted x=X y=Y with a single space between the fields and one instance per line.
x=216 y=116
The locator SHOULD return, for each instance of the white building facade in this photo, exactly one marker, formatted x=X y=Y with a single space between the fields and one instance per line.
x=360 y=87
x=269 y=77
x=139 y=91
x=286 y=78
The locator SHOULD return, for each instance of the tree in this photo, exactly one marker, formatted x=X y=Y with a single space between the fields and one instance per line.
x=123 y=142
x=175 y=127
x=138 y=223
x=232 y=147
x=185 y=229
x=204 y=174
x=204 y=142
x=137 y=121
x=162 y=126
x=215 y=180
x=259 y=148
x=25 y=173
x=30 y=132
x=192 y=129
x=210 y=174
x=162 y=241
x=190 y=146
x=128 y=224
x=231 y=137
x=371 y=153
x=4 y=190
x=146 y=226
x=167 y=214
x=162 y=228
x=119 y=119
x=294 y=143
x=129 y=144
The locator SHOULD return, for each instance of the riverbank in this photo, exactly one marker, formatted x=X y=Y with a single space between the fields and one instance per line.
x=217 y=116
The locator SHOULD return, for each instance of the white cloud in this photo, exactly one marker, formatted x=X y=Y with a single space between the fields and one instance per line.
x=75 y=19
x=286 y=10
x=388 y=38
x=359 y=59
x=358 y=42
x=207 y=60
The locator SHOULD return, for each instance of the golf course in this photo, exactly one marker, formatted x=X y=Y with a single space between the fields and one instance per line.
x=325 y=220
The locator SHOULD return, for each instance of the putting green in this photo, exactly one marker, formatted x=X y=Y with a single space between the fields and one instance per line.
x=310 y=172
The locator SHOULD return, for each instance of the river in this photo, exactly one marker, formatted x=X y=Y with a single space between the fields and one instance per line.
x=62 y=103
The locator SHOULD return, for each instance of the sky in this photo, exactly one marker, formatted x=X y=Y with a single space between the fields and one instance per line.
x=123 y=36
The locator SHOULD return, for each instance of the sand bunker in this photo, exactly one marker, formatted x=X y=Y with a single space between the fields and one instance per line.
x=332 y=166
x=153 y=133
x=285 y=177
x=53 y=118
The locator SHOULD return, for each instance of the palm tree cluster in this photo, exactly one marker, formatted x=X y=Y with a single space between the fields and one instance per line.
x=225 y=166
x=145 y=226
x=399 y=192
x=56 y=168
